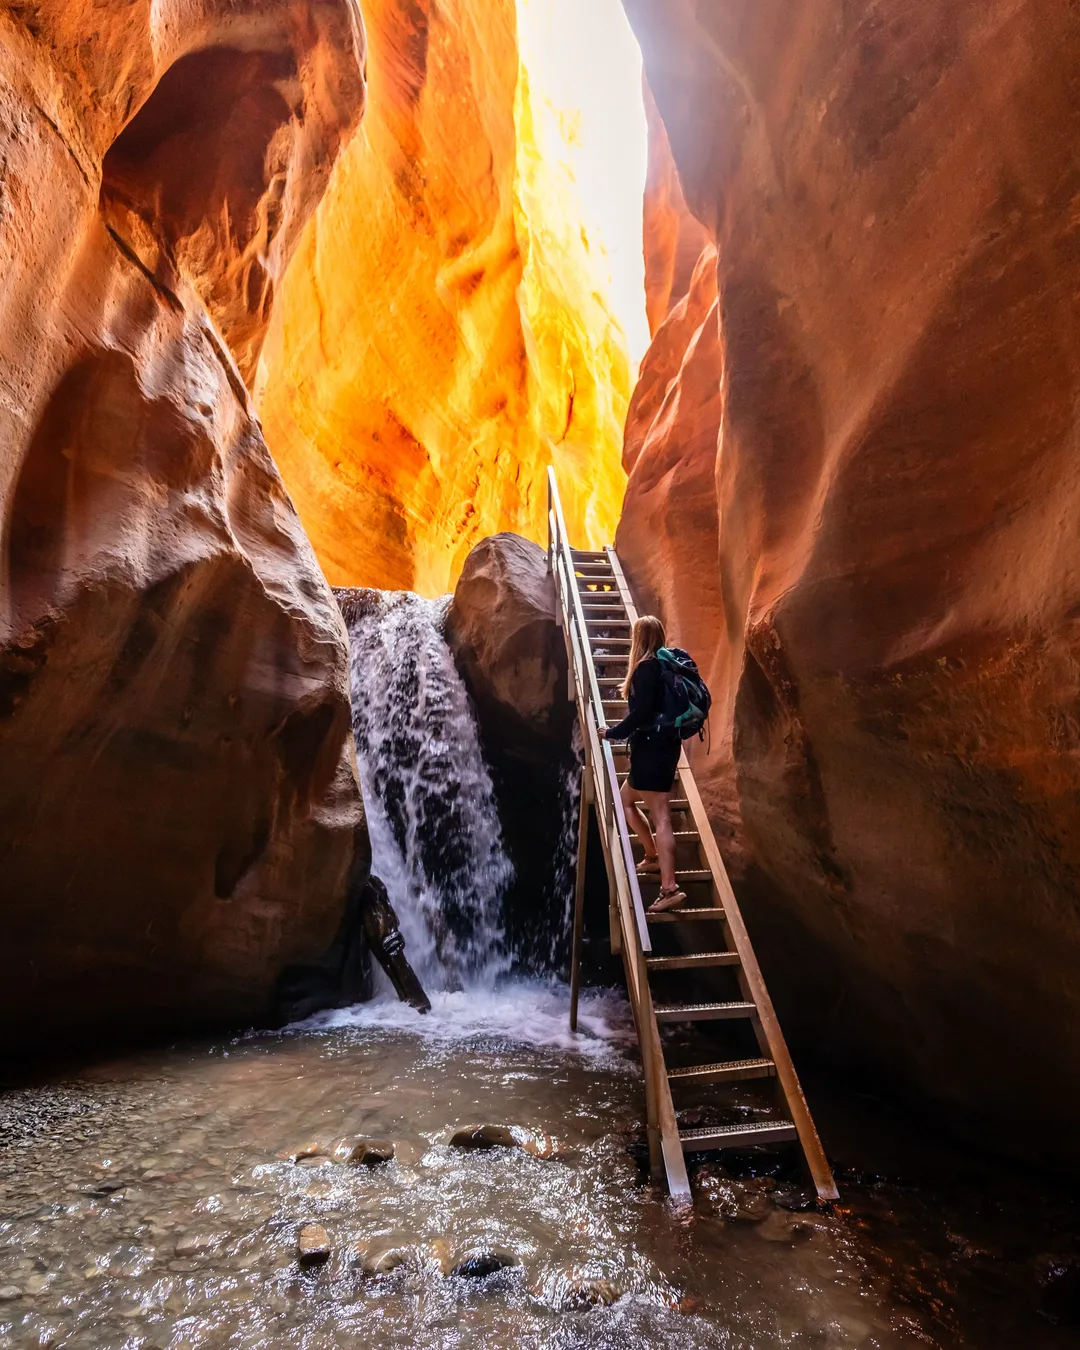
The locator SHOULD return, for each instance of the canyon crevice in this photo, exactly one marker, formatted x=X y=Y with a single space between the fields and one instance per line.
x=177 y=795
x=852 y=493
x=440 y=338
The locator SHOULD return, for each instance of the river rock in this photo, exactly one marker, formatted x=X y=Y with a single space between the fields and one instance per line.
x=173 y=669
x=312 y=1246
x=365 y=1152
x=510 y=651
x=1058 y=1282
x=198 y=1244
x=385 y=1258
x=9 y=1292
x=851 y=497
x=311 y=1149
x=483 y=1137
x=581 y=1292
x=477 y=1265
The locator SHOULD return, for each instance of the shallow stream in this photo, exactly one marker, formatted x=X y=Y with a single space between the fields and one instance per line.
x=202 y=1197
x=154 y=1201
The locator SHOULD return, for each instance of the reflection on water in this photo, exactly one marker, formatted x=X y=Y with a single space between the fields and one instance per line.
x=154 y=1203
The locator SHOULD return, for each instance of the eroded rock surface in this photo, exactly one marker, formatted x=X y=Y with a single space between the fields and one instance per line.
x=855 y=500
x=177 y=803
x=440 y=338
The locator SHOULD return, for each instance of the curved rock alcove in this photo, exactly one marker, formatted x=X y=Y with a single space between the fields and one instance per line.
x=176 y=789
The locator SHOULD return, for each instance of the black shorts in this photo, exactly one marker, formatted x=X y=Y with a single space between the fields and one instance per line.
x=654 y=757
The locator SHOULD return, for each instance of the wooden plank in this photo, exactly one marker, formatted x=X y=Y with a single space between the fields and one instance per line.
x=747 y=1135
x=728 y=1071
x=703 y=1012
x=756 y=989
x=579 y=896
x=693 y=961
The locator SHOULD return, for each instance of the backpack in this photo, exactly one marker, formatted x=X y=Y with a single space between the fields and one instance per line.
x=686 y=696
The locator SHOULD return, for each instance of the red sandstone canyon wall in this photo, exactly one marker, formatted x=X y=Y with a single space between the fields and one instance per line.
x=854 y=490
x=177 y=803
x=440 y=338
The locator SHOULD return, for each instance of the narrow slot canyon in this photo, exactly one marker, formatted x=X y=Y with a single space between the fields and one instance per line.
x=367 y=367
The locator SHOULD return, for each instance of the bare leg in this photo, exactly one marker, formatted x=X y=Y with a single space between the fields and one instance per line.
x=635 y=818
x=659 y=807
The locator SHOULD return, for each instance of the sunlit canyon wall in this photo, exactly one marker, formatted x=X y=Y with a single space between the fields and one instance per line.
x=441 y=336
x=854 y=492
x=177 y=802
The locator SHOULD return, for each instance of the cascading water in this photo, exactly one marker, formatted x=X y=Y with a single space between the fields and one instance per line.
x=431 y=808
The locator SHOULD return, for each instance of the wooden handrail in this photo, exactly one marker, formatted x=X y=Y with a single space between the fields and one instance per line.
x=607 y=783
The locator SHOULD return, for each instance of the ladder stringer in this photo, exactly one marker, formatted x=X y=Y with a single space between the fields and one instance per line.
x=666 y=1154
x=766 y=1024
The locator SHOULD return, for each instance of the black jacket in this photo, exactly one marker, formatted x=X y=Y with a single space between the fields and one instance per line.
x=646 y=700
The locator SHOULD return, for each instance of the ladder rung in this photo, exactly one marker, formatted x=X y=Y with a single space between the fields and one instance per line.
x=733 y=1071
x=738 y=1136
x=695 y=961
x=686 y=874
x=607 y=623
x=692 y=915
x=702 y=1012
x=679 y=834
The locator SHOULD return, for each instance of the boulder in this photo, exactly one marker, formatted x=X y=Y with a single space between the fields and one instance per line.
x=312 y=1246
x=852 y=498
x=177 y=795
x=502 y=631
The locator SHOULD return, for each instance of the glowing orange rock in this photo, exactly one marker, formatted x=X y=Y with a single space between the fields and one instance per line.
x=439 y=338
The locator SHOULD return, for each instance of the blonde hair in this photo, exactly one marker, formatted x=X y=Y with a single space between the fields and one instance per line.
x=649 y=637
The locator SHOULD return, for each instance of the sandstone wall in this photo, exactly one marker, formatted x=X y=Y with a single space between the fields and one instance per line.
x=439 y=339
x=855 y=497
x=177 y=804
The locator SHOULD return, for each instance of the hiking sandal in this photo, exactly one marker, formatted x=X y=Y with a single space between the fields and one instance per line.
x=667 y=899
x=648 y=867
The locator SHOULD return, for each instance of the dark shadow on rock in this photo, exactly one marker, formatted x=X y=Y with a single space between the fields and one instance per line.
x=344 y=975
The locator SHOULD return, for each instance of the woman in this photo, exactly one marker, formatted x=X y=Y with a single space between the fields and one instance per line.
x=654 y=757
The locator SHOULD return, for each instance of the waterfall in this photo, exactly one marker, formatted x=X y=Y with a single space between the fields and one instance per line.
x=430 y=803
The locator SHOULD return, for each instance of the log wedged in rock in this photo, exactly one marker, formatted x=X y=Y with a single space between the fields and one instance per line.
x=342 y=976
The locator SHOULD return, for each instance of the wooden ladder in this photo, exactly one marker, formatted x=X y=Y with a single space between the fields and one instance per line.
x=706 y=960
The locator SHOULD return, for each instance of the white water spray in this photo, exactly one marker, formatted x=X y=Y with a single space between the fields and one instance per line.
x=431 y=809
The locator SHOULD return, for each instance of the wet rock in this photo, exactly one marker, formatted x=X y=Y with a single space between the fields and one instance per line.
x=780 y=1226
x=312 y=1149
x=312 y=1246
x=196 y=1244
x=591 y=1293
x=9 y=1292
x=738 y=1201
x=383 y=1259
x=477 y=1265
x=366 y=1152
x=482 y=1137
x=1058 y=1280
